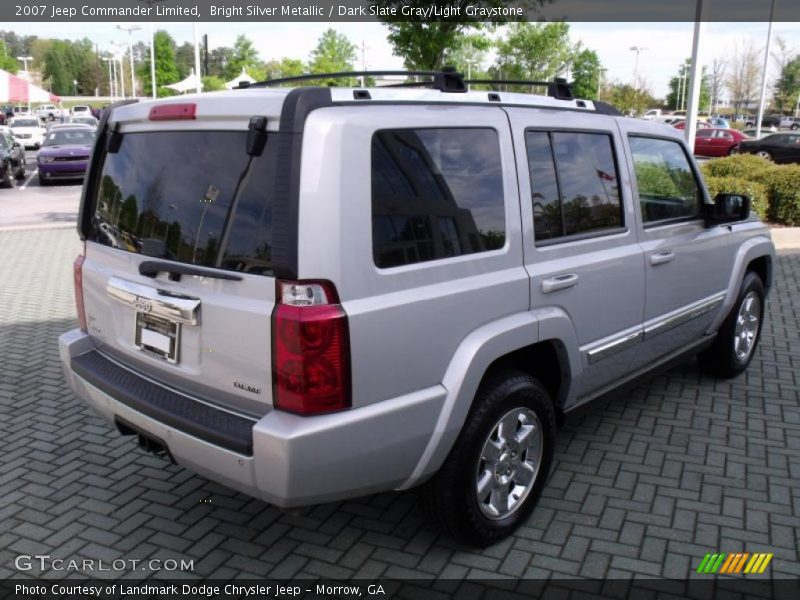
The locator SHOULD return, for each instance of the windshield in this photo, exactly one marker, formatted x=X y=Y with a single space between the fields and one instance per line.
x=80 y=137
x=194 y=197
x=25 y=123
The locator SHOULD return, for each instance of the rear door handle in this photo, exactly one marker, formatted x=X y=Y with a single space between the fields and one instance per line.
x=661 y=258
x=559 y=282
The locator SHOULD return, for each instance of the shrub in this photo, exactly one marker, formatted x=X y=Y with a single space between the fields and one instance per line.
x=783 y=186
x=746 y=166
x=758 y=192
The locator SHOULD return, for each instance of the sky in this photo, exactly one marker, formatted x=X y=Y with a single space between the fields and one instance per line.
x=666 y=44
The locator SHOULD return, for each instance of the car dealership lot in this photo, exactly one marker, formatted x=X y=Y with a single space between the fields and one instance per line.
x=645 y=484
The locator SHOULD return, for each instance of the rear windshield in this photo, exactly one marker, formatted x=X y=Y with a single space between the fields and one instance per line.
x=194 y=197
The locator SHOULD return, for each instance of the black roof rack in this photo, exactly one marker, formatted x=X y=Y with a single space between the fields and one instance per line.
x=447 y=80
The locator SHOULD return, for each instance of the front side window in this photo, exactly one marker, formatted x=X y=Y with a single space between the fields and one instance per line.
x=574 y=183
x=668 y=188
x=436 y=193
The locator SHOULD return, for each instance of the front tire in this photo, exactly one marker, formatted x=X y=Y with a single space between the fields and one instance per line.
x=737 y=338
x=764 y=154
x=498 y=466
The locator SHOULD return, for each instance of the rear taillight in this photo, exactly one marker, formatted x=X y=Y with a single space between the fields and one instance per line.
x=77 y=270
x=310 y=349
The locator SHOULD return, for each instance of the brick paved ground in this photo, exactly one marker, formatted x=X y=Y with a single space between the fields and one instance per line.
x=645 y=485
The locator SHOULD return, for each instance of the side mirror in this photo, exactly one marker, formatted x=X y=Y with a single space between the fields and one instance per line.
x=728 y=208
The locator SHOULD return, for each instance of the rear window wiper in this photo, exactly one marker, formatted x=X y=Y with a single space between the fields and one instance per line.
x=151 y=268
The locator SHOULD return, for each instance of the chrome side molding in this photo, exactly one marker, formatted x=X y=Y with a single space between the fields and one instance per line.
x=684 y=316
x=618 y=345
x=145 y=299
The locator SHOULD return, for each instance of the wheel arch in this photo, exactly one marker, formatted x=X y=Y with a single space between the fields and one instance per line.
x=756 y=254
x=541 y=343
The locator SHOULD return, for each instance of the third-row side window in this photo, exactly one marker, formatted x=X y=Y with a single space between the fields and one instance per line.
x=574 y=183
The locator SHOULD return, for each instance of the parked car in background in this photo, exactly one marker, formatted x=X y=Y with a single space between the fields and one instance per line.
x=701 y=123
x=751 y=133
x=766 y=121
x=717 y=142
x=792 y=123
x=28 y=131
x=65 y=153
x=87 y=119
x=50 y=112
x=80 y=110
x=12 y=159
x=719 y=122
x=779 y=147
x=653 y=114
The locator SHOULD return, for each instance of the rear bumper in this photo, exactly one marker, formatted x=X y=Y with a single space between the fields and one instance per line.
x=290 y=461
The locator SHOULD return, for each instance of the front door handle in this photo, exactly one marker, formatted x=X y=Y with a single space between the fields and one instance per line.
x=661 y=258
x=559 y=282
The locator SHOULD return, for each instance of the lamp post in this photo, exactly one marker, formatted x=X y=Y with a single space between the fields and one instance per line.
x=110 y=78
x=130 y=29
x=74 y=87
x=153 y=59
x=762 y=99
x=25 y=60
x=600 y=81
x=120 y=59
x=637 y=50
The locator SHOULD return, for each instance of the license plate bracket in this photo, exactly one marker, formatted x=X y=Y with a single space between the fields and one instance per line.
x=158 y=336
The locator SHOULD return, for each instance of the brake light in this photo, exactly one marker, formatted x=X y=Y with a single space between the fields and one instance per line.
x=173 y=112
x=77 y=271
x=310 y=349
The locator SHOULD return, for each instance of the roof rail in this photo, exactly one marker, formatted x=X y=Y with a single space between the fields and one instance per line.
x=446 y=80
x=558 y=88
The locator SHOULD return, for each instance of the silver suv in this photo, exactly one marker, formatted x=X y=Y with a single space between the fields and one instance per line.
x=320 y=293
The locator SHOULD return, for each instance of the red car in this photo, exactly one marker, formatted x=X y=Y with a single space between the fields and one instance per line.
x=717 y=142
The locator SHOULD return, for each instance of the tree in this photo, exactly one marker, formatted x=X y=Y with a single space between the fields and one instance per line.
x=334 y=53
x=716 y=81
x=184 y=59
x=627 y=98
x=423 y=44
x=743 y=75
x=212 y=83
x=244 y=56
x=586 y=74
x=285 y=67
x=166 y=69
x=468 y=53
x=8 y=63
x=218 y=61
x=787 y=88
x=536 y=51
x=679 y=86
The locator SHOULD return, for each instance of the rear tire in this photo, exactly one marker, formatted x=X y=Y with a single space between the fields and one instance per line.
x=737 y=338
x=764 y=154
x=498 y=466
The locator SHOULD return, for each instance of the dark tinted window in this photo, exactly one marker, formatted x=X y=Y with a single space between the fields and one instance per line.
x=436 y=193
x=574 y=183
x=171 y=195
x=667 y=186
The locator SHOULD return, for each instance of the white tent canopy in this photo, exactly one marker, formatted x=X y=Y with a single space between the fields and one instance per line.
x=243 y=76
x=15 y=89
x=190 y=84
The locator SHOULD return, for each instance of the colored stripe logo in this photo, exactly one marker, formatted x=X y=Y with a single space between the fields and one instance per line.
x=734 y=563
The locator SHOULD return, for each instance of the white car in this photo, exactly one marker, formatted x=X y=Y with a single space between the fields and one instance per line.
x=81 y=110
x=50 y=112
x=28 y=131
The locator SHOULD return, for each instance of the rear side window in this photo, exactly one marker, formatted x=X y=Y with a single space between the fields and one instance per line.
x=668 y=188
x=436 y=193
x=195 y=197
x=574 y=183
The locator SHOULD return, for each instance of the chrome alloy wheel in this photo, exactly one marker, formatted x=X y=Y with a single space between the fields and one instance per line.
x=746 y=328
x=509 y=463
